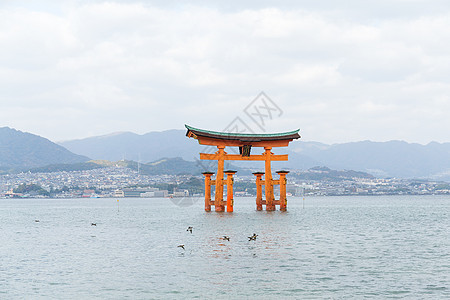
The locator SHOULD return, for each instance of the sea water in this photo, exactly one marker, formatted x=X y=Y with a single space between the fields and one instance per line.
x=322 y=247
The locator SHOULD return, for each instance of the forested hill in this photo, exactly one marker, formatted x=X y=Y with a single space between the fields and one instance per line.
x=20 y=149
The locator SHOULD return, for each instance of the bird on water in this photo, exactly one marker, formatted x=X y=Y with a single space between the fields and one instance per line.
x=190 y=229
x=181 y=246
x=93 y=224
x=226 y=238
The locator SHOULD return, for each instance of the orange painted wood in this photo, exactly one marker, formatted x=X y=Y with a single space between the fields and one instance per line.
x=283 y=192
x=275 y=202
x=268 y=180
x=230 y=200
x=208 y=192
x=258 y=191
x=283 y=182
x=237 y=143
x=218 y=197
x=262 y=157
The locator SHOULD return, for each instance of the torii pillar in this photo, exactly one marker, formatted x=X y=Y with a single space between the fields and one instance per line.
x=218 y=197
x=259 y=190
x=208 y=190
x=268 y=180
x=283 y=181
x=230 y=181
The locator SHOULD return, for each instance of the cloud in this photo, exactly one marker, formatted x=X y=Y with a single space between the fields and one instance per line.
x=340 y=74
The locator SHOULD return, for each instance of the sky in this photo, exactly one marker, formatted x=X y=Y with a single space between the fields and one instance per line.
x=341 y=71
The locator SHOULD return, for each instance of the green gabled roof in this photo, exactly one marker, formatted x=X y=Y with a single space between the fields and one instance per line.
x=243 y=136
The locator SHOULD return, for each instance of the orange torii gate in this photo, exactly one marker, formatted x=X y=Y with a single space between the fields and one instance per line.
x=245 y=142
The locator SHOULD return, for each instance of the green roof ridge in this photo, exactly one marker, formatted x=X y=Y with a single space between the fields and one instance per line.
x=242 y=134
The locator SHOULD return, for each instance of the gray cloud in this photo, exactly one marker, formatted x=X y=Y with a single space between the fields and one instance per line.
x=340 y=73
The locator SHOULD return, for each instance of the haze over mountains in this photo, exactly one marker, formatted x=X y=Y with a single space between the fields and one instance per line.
x=145 y=148
x=382 y=159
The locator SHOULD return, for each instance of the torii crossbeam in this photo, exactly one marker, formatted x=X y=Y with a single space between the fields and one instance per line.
x=245 y=142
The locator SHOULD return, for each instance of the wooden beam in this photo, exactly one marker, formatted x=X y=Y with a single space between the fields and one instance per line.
x=236 y=143
x=261 y=157
x=275 y=202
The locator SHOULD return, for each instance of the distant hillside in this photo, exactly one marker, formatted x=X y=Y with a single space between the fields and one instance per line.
x=164 y=166
x=382 y=159
x=130 y=146
x=153 y=146
x=326 y=174
x=25 y=150
x=177 y=166
x=90 y=165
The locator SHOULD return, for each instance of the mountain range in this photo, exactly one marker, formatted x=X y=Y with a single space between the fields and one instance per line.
x=25 y=150
x=171 y=149
x=382 y=159
x=131 y=146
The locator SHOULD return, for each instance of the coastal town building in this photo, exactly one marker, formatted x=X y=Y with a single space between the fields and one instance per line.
x=121 y=182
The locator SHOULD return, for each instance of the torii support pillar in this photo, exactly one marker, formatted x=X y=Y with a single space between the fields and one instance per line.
x=268 y=184
x=283 y=199
x=208 y=190
x=259 y=184
x=229 y=180
x=218 y=197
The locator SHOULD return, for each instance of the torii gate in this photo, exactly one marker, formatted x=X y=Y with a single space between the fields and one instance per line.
x=245 y=142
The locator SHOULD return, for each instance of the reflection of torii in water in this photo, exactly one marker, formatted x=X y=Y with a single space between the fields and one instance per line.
x=245 y=142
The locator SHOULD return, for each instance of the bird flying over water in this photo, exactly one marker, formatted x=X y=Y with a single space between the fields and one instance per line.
x=93 y=224
x=226 y=238
x=253 y=237
x=181 y=246
x=190 y=229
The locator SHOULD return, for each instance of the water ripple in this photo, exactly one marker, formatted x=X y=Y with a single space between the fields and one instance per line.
x=336 y=247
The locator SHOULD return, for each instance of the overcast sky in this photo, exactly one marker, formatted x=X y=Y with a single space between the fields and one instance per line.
x=339 y=70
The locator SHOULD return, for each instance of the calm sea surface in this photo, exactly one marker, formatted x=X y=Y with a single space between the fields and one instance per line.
x=334 y=247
